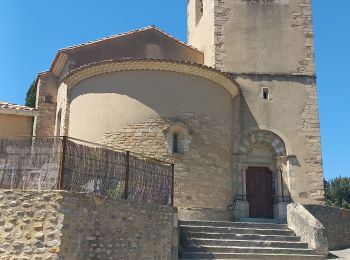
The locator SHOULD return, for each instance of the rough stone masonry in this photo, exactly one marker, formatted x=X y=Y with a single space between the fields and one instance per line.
x=62 y=225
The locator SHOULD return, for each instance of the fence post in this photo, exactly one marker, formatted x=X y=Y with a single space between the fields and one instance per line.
x=63 y=157
x=127 y=170
x=172 y=183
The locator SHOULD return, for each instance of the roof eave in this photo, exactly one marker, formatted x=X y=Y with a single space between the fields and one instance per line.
x=110 y=66
x=30 y=113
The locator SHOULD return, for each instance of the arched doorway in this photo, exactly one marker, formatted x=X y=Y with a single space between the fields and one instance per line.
x=261 y=180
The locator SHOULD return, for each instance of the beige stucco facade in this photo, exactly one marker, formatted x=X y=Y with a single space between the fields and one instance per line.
x=254 y=106
x=14 y=125
x=16 y=120
x=268 y=46
x=136 y=110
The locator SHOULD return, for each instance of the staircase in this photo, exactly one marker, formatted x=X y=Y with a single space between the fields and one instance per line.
x=241 y=240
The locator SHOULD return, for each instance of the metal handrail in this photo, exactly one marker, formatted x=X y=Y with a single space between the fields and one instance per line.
x=238 y=197
x=275 y=199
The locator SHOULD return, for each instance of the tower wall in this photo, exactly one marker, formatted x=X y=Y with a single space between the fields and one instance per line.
x=44 y=123
x=254 y=36
x=268 y=44
x=201 y=28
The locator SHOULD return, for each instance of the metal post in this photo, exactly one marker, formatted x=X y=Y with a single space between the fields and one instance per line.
x=63 y=157
x=172 y=183
x=127 y=170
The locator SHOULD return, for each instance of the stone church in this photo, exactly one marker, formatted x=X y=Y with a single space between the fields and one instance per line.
x=235 y=108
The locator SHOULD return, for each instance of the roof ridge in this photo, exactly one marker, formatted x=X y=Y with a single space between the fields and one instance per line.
x=142 y=29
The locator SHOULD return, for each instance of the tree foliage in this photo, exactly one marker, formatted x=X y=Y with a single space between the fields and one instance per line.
x=31 y=95
x=338 y=192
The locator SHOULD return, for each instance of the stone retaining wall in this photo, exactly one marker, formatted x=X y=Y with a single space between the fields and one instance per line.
x=336 y=222
x=306 y=226
x=63 y=225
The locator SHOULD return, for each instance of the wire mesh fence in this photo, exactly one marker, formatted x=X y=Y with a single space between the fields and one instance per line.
x=38 y=163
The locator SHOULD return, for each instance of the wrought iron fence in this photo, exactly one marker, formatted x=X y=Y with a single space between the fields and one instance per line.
x=61 y=163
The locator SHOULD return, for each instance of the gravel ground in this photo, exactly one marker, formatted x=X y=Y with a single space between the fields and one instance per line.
x=341 y=254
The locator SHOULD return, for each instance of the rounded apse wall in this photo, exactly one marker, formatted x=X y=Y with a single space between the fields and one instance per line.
x=133 y=110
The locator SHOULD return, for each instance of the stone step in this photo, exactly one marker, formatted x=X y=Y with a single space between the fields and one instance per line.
x=251 y=256
x=234 y=230
x=234 y=224
x=242 y=243
x=263 y=220
x=239 y=236
x=244 y=250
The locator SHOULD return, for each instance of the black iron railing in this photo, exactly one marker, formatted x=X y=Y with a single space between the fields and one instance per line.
x=62 y=163
x=275 y=199
x=235 y=199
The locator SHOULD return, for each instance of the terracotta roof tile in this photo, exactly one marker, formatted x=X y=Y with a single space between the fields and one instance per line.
x=228 y=75
x=71 y=74
x=11 y=106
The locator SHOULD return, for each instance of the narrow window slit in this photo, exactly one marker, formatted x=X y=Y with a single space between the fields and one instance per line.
x=175 y=143
x=265 y=94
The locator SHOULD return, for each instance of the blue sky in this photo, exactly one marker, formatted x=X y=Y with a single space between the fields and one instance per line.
x=31 y=32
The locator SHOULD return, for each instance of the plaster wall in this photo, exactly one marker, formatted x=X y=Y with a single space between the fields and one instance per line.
x=15 y=125
x=291 y=112
x=266 y=36
x=132 y=110
x=137 y=45
x=263 y=43
x=201 y=31
x=130 y=97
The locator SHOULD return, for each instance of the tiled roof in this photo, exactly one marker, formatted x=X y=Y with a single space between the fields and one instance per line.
x=60 y=56
x=108 y=66
x=151 y=27
x=202 y=66
x=16 y=109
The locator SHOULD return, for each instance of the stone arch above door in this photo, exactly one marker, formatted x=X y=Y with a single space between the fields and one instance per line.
x=262 y=136
x=271 y=137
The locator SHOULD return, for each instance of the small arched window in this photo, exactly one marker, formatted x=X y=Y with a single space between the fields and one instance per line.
x=178 y=138
x=175 y=143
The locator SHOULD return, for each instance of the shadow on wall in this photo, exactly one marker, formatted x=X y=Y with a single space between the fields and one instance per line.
x=246 y=118
x=166 y=93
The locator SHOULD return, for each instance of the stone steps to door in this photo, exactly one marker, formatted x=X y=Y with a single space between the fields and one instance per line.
x=253 y=225
x=239 y=256
x=241 y=236
x=241 y=240
x=242 y=250
x=243 y=243
x=210 y=229
x=263 y=220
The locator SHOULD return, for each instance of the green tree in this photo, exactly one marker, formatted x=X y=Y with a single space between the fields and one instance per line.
x=338 y=192
x=31 y=95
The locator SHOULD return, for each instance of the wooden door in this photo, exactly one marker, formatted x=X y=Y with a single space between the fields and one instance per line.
x=259 y=191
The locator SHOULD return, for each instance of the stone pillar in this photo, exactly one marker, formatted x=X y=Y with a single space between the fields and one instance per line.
x=242 y=205
x=286 y=186
x=44 y=123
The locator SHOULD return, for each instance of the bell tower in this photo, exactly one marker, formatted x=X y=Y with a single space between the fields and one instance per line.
x=254 y=36
x=268 y=47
